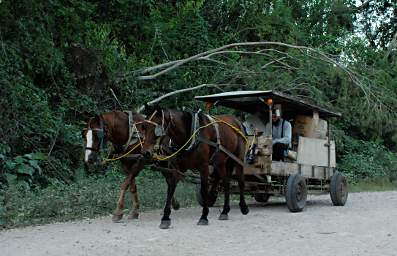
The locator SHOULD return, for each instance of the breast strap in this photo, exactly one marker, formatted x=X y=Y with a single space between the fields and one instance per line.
x=130 y=140
x=194 y=127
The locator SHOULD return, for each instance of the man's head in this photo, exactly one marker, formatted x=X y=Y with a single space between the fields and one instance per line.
x=276 y=113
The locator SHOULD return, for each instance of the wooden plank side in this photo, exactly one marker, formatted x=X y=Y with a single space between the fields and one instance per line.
x=286 y=169
x=315 y=152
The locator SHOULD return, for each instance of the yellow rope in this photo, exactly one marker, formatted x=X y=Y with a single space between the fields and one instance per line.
x=163 y=158
x=234 y=128
x=140 y=143
x=124 y=155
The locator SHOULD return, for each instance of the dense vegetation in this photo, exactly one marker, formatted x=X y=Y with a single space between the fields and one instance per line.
x=58 y=60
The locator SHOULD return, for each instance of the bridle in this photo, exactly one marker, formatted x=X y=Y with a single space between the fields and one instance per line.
x=101 y=136
x=136 y=137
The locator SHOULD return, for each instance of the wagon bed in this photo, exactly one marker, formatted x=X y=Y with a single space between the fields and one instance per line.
x=313 y=170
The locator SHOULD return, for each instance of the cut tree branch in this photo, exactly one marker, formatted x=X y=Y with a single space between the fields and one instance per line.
x=180 y=91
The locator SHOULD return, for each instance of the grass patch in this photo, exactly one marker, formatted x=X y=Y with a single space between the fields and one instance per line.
x=373 y=185
x=89 y=197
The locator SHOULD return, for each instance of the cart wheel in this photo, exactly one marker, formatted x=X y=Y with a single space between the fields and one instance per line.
x=338 y=189
x=296 y=193
x=262 y=198
x=211 y=197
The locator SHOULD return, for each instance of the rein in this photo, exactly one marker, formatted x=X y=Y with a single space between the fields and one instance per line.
x=139 y=144
x=132 y=130
x=216 y=120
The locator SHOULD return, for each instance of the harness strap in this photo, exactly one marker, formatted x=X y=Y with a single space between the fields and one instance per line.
x=223 y=149
x=218 y=141
x=216 y=126
x=131 y=140
x=195 y=124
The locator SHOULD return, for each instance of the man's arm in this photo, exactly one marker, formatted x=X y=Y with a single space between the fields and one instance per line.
x=287 y=135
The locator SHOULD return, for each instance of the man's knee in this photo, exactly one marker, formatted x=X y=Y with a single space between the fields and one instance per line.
x=279 y=150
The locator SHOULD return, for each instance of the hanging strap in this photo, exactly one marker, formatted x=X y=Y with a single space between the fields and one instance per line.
x=282 y=129
x=216 y=126
x=195 y=124
x=131 y=140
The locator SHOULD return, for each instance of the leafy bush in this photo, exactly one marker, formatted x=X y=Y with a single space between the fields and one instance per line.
x=367 y=160
x=88 y=197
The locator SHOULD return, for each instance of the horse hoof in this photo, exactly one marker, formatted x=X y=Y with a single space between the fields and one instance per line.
x=223 y=217
x=202 y=222
x=165 y=224
x=133 y=216
x=175 y=205
x=117 y=217
x=244 y=210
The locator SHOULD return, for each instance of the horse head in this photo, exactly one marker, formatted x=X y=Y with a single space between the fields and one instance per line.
x=153 y=130
x=95 y=137
x=123 y=129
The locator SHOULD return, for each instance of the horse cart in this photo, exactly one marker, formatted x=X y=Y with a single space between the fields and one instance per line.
x=310 y=166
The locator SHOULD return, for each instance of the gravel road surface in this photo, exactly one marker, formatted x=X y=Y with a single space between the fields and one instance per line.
x=366 y=225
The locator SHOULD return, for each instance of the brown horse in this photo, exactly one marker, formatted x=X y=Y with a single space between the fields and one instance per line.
x=177 y=125
x=118 y=128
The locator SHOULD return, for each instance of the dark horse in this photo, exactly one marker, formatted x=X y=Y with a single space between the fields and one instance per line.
x=204 y=150
x=118 y=128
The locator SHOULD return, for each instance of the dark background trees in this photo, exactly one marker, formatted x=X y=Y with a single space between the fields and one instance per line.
x=58 y=60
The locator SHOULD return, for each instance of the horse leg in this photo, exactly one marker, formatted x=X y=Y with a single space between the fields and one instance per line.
x=243 y=205
x=223 y=172
x=204 y=193
x=213 y=192
x=118 y=213
x=171 y=182
x=175 y=204
x=226 y=204
x=134 y=212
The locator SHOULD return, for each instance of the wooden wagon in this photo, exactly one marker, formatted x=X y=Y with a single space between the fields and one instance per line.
x=311 y=162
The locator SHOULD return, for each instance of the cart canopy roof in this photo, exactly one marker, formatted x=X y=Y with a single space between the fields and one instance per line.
x=250 y=101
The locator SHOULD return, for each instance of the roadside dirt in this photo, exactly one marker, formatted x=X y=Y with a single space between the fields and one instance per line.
x=366 y=225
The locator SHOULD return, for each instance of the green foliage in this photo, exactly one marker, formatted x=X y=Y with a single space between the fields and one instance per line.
x=88 y=197
x=22 y=169
x=373 y=185
x=367 y=160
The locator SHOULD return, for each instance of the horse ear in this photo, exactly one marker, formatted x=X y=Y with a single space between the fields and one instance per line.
x=83 y=133
x=149 y=109
x=85 y=116
x=158 y=108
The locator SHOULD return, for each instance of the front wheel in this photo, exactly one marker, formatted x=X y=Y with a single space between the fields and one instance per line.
x=338 y=189
x=262 y=198
x=296 y=193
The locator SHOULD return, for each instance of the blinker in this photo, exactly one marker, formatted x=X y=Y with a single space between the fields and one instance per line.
x=159 y=131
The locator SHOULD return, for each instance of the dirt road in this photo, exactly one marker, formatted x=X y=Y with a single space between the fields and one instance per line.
x=367 y=225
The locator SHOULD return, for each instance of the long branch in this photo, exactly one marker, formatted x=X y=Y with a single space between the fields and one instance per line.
x=179 y=91
x=174 y=64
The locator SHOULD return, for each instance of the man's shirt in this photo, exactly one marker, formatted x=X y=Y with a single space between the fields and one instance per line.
x=278 y=132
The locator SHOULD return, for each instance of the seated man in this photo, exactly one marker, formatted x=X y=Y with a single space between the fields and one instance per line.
x=282 y=133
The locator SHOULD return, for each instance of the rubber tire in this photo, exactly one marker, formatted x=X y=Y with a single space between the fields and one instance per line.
x=338 y=189
x=199 y=198
x=296 y=193
x=261 y=198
